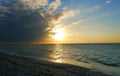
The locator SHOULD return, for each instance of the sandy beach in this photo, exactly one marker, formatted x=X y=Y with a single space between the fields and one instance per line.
x=11 y=65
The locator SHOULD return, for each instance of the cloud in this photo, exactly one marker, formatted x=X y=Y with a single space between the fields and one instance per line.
x=57 y=16
x=70 y=13
x=62 y=15
x=54 y=6
x=108 y=1
x=65 y=8
x=66 y=14
x=34 y=4
x=27 y=20
x=76 y=22
x=30 y=20
x=94 y=8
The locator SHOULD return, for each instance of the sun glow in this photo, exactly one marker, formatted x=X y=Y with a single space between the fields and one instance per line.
x=59 y=34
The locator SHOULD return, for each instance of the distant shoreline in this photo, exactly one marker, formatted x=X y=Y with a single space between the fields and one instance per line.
x=15 y=65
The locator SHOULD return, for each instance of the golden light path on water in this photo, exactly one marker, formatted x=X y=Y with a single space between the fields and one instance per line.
x=57 y=56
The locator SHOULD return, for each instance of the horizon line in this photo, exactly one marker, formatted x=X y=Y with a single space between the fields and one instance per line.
x=56 y=43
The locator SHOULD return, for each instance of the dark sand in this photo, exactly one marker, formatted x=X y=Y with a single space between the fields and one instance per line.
x=11 y=65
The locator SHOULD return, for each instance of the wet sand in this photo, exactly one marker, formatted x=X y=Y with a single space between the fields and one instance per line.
x=11 y=65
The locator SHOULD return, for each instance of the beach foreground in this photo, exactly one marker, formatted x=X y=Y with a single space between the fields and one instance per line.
x=11 y=65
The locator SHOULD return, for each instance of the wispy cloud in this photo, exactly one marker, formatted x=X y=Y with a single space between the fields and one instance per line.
x=94 y=8
x=76 y=22
x=108 y=1
x=70 y=13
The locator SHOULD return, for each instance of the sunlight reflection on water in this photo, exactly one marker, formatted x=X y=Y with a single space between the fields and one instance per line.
x=57 y=54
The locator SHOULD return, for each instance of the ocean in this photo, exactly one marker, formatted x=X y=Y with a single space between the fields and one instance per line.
x=100 y=57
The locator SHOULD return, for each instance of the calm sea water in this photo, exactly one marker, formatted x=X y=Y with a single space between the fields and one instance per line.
x=103 y=57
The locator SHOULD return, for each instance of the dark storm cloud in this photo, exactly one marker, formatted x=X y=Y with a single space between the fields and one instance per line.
x=25 y=21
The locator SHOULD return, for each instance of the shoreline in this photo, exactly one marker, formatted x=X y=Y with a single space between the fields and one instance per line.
x=12 y=65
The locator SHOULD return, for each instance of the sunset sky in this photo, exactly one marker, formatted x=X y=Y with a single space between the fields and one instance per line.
x=60 y=21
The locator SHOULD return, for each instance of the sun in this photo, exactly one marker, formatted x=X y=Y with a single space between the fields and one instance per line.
x=59 y=34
